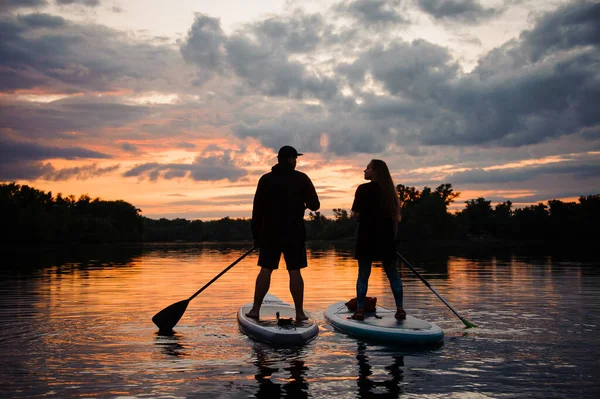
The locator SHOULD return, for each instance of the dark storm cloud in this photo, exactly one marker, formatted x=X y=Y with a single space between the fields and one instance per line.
x=6 y=5
x=263 y=62
x=274 y=74
x=465 y=11
x=204 y=168
x=27 y=160
x=22 y=151
x=185 y=145
x=88 y=3
x=82 y=115
x=78 y=172
x=414 y=69
x=298 y=33
x=41 y=50
x=373 y=12
x=580 y=170
x=526 y=92
x=514 y=97
x=568 y=27
x=128 y=147
x=42 y=20
x=14 y=171
x=23 y=4
x=204 y=46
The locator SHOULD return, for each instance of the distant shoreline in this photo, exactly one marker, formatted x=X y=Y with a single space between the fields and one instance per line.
x=449 y=243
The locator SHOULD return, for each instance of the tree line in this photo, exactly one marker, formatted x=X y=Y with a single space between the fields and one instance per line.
x=33 y=217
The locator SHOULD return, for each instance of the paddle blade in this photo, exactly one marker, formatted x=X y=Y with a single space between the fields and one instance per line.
x=167 y=318
x=468 y=323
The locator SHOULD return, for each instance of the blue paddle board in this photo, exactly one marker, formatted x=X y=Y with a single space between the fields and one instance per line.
x=382 y=326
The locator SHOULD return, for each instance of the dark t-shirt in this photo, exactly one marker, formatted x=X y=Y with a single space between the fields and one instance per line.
x=375 y=239
x=279 y=203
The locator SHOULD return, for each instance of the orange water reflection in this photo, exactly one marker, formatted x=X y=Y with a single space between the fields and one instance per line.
x=86 y=327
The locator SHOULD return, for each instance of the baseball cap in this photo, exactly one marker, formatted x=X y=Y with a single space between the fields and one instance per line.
x=287 y=151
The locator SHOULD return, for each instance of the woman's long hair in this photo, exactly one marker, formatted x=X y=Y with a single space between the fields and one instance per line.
x=389 y=196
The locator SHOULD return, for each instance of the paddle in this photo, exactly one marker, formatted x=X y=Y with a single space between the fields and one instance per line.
x=465 y=321
x=167 y=318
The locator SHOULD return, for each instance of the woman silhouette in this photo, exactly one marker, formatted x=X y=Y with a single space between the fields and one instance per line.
x=377 y=209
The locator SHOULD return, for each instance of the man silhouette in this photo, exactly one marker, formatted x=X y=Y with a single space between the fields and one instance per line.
x=281 y=198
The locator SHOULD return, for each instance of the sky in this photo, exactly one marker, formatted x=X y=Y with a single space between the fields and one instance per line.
x=178 y=107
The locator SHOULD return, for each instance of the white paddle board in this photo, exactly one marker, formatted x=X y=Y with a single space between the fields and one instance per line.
x=382 y=326
x=267 y=329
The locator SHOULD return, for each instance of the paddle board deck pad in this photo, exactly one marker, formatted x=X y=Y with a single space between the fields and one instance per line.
x=382 y=326
x=267 y=329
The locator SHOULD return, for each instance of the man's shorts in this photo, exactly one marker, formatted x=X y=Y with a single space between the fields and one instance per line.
x=294 y=254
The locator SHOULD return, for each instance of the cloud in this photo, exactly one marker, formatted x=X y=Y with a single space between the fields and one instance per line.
x=514 y=97
x=185 y=145
x=128 y=147
x=465 y=11
x=204 y=46
x=24 y=4
x=46 y=51
x=204 y=168
x=8 y=5
x=412 y=69
x=576 y=169
x=19 y=151
x=264 y=62
x=87 y=3
x=312 y=81
x=29 y=160
x=571 y=26
x=78 y=172
x=296 y=33
x=416 y=93
x=42 y=20
x=373 y=12
x=85 y=116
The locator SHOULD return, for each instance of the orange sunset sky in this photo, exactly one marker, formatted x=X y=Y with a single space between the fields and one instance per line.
x=179 y=107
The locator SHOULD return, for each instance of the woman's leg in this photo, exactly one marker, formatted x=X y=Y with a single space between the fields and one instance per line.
x=395 y=280
x=362 y=283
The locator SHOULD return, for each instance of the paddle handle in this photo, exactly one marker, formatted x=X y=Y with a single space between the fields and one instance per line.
x=407 y=263
x=222 y=273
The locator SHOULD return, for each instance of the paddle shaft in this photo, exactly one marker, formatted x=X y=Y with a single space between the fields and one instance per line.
x=220 y=274
x=407 y=263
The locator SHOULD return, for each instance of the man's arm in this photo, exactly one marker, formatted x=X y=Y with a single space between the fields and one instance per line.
x=256 y=224
x=312 y=199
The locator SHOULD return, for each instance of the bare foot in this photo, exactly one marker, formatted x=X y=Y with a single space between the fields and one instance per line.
x=301 y=316
x=253 y=314
x=359 y=314
x=400 y=314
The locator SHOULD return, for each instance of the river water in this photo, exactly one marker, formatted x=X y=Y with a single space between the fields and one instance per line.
x=79 y=326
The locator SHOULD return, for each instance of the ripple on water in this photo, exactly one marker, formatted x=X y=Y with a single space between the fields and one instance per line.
x=72 y=331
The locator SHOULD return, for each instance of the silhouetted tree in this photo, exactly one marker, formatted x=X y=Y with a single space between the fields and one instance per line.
x=478 y=216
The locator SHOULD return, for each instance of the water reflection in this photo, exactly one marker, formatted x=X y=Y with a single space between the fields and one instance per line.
x=68 y=260
x=168 y=342
x=368 y=387
x=268 y=361
x=81 y=325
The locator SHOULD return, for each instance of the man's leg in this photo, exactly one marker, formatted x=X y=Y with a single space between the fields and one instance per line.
x=263 y=282
x=297 y=291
